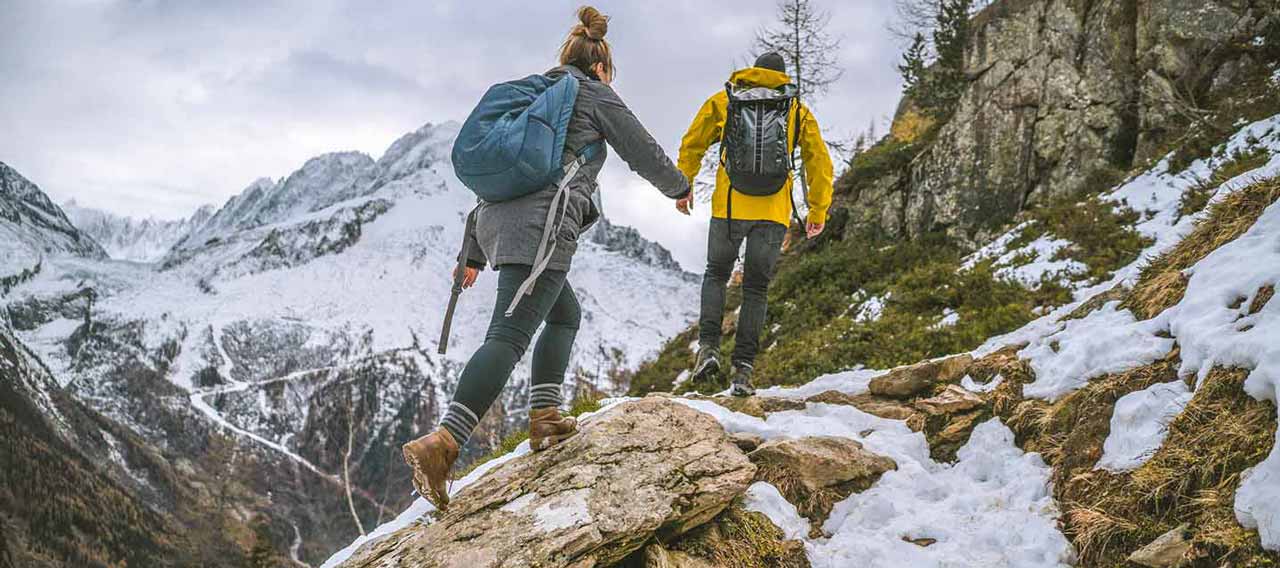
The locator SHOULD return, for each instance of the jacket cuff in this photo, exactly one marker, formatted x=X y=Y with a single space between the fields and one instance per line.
x=817 y=217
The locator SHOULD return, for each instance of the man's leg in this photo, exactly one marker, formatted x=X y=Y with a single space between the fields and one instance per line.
x=722 y=253
x=508 y=338
x=764 y=245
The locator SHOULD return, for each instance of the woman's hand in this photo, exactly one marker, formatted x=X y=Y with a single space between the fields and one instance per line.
x=814 y=229
x=469 y=278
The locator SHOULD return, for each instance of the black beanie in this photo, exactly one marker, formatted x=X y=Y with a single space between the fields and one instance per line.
x=772 y=60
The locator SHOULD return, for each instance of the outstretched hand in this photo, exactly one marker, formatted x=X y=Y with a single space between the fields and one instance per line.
x=469 y=278
x=814 y=229
x=685 y=204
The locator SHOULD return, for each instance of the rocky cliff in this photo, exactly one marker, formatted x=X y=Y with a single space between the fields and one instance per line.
x=1062 y=98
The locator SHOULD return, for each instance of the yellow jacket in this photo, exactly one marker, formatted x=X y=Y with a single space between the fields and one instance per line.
x=706 y=130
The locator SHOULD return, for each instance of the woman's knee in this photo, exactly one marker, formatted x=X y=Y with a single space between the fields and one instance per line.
x=566 y=315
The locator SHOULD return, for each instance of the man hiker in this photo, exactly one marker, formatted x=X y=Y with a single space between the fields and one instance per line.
x=760 y=123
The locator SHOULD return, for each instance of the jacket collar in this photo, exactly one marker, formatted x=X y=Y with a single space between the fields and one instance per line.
x=569 y=69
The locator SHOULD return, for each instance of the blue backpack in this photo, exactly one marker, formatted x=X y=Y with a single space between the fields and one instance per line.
x=513 y=143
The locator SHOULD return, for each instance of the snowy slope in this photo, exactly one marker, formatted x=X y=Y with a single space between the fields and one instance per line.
x=139 y=240
x=32 y=227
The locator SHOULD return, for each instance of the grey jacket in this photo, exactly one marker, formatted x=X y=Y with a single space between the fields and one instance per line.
x=508 y=232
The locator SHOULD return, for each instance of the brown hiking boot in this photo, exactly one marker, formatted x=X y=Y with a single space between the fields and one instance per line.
x=548 y=428
x=430 y=457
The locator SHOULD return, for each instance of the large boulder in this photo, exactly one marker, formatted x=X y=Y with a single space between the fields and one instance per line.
x=646 y=468
x=814 y=473
x=905 y=382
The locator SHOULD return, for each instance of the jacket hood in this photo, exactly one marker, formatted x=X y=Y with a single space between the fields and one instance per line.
x=760 y=77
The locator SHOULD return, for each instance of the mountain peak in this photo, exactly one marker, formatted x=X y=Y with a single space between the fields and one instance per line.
x=34 y=225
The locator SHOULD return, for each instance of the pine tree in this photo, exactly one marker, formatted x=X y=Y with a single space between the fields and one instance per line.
x=913 y=64
x=801 y=38
x=950 y=36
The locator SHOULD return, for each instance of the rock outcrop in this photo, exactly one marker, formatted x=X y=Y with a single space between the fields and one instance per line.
x=912 y=380
x=646 y=468
x=814 y=473
x=1061 y=95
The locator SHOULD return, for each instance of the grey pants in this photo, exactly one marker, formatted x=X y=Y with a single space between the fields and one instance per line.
x=764 y=244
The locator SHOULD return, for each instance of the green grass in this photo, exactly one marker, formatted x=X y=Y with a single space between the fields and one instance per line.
x=1101 y=233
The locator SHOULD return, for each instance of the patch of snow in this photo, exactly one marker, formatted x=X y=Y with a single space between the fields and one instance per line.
x=682 y=378
x=992 y=508
x=972 y=386
x=950 y=318
x=1109 y=340
x=852 y=382
x=1040 y=263
x=1140 y=423
x=763 y=497
x=567 y=510
x=519 y=504
x=995 y=248
x=871 y=309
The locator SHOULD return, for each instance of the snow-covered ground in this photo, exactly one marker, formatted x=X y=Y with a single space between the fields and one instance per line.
x=1210 y=323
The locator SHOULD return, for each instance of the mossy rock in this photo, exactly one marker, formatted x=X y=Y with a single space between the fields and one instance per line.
x=736 y=537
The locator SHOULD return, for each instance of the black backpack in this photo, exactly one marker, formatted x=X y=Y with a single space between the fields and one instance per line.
x=753 y=145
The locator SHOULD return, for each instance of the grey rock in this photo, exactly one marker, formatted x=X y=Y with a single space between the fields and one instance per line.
x=1167 y=551
x=646 y=467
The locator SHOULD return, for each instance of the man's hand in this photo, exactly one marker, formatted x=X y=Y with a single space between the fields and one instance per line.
x=685 y=204
x=814 y=229
x=469 y=278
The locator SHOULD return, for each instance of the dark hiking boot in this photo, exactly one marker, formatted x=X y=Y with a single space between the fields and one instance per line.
x=742 y=380
x=708 y=364
x=548 y=428
x=431 y=457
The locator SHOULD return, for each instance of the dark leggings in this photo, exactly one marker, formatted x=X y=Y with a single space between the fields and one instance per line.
x=552 y=301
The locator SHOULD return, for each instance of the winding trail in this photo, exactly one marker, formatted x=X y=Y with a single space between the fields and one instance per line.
x=199 y=402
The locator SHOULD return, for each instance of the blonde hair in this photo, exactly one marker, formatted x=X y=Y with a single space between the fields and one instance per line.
x=586 y=46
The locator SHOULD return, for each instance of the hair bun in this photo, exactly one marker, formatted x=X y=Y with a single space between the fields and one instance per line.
x=594 y=25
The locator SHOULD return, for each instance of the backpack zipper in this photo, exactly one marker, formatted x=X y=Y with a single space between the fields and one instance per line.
x=759 y=150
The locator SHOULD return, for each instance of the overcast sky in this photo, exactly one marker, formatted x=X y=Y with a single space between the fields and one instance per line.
x=152 y=107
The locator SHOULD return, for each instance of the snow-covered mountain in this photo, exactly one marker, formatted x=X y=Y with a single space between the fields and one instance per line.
x=309 y=308
x=32 y=226
x=127 y=238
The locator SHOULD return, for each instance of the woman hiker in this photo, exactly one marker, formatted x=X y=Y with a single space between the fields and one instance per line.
x=507 y=235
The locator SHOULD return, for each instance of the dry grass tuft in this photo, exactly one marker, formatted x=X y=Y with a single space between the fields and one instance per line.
x=1095 y=530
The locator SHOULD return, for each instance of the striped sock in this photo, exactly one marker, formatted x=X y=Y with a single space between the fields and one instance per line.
x=545 y=396
x=459 y=421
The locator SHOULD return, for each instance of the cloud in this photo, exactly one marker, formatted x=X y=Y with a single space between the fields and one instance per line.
x=155 y=108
